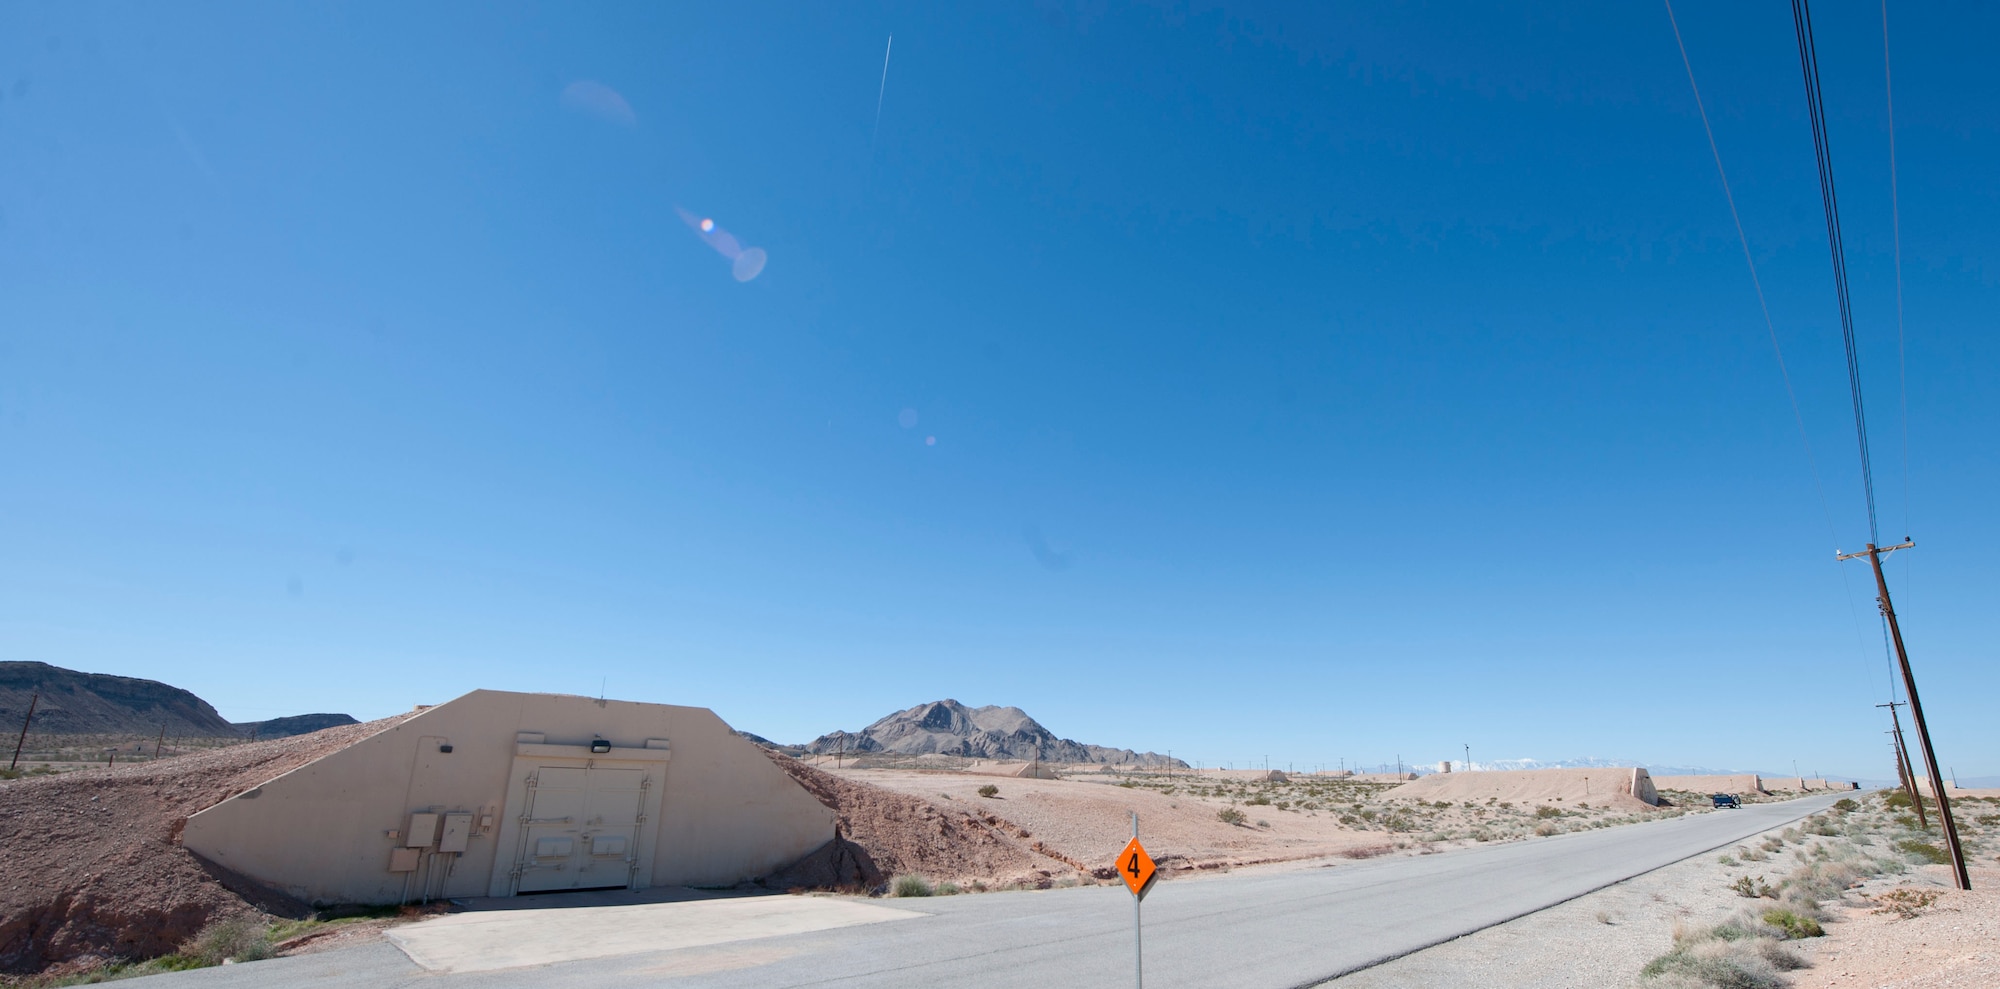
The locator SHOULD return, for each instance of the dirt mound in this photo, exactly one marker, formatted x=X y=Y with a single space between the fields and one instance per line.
x=883 y=833
x=1599 y=787
x=93 y=862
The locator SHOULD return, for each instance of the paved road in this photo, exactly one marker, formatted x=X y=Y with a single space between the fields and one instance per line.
x=1269 y=931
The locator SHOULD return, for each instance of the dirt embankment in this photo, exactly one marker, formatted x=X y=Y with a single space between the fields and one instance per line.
x=1601 y=787
x=93 y=863
x=884 y=833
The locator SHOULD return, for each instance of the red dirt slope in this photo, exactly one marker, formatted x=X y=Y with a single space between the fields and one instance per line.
x=93 y=863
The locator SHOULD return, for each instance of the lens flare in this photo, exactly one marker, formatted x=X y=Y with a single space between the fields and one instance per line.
x=594 y=99
x=745 y=263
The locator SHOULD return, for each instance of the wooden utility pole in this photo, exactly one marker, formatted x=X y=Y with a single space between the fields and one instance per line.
x=1874 y=554
x=1903 y=770
x=23 y=740
x=162 y=740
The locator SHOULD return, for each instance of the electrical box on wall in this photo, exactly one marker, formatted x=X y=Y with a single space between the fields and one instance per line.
x=404 y=859
x=457 y=829
x=423 y=831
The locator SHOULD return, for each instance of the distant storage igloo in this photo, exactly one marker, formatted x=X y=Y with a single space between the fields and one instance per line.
x=498 y=794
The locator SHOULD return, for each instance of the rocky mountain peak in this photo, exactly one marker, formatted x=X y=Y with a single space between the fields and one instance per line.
x=947 y=727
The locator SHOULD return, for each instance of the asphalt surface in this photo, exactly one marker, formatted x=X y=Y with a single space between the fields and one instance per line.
x=1269 y=931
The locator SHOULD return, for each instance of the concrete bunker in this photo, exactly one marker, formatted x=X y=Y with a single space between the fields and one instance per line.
x=498 y=794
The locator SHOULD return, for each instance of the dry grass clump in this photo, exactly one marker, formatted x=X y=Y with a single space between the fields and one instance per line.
x=1795 y=925
x=910 y=884
x=1923 y=851
x=1742 y=952
x=241 y=938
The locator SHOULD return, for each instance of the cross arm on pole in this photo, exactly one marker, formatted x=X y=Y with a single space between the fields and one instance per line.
x=1873 y=549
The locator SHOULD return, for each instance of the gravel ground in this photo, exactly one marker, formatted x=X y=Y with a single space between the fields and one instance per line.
x=1953 y=943
x=1591 y=942
x=1605 y=938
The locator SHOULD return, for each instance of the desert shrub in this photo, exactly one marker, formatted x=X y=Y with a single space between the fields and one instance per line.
x=1802 y=903
x=1794 y=925
x=1545 y=829
x=1229 y=815
x=1923 y=850
x=1263 y=823
x=1846 y=805
x=1727 y=860
x=1725 y=964
x=1826 y=880
x=951 y=889
x=1896 y=799
x=1821 y=826
x=910 y=884
x=1773 y=844
x=1259 y=800
x=1546 y=812
x=1753 y=888
x=989 y=790
x=242 y=938
x=1742 y=952
x=1905 y=902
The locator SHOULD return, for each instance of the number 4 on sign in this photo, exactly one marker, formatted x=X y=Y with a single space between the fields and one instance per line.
x=1136 y=868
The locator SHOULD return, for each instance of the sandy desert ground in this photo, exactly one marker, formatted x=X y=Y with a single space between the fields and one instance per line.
x=1084 y=817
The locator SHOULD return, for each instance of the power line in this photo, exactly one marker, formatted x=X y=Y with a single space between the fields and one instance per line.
x=1830 y=200
x=1809 y=63
x=1816 y=108
x=1798 y=419
x=1896 y=229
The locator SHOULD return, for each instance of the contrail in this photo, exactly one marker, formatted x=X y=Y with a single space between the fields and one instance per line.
x=881 y=92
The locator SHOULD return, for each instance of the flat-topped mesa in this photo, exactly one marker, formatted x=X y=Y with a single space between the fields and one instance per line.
x=950 y=728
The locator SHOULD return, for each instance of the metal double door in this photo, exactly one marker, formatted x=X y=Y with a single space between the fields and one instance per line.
x=581 y=827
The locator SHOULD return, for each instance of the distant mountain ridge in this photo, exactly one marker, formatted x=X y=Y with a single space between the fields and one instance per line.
x=297 y=724
x=68 y=702
x=73 y=703
x=947 y=727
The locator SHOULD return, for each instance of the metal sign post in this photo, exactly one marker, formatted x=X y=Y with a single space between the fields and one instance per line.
x=1138 y=952
x=1136 y=868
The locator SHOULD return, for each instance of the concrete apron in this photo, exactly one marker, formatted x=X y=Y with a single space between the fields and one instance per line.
x=488 y=941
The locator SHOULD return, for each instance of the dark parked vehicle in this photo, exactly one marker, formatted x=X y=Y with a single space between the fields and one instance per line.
x=1726 y=800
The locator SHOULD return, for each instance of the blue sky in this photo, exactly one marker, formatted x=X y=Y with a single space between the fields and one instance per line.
x=1344 y=383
